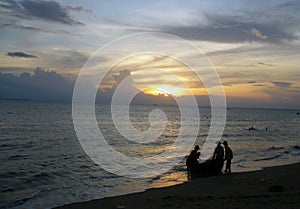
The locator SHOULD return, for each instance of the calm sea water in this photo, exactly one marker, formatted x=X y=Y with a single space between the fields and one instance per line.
x=43 y=164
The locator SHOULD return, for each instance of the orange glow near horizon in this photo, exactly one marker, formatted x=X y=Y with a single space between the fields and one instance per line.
x=246 y=91
x=165 y=90
x=238 y=91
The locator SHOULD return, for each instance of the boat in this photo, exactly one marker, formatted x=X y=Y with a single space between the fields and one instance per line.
x=206 y=168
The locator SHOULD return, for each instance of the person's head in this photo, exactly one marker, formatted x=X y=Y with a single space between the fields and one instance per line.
x=196 y=147
x=225 y=143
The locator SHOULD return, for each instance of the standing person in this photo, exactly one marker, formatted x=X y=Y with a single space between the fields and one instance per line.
x=228 y=157
x=219 y=156
x=193 y=157
x=219 y=152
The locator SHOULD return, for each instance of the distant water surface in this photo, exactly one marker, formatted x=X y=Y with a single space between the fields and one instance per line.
x=43 y=164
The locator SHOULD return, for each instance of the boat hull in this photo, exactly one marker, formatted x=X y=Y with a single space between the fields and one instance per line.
x=209 y=167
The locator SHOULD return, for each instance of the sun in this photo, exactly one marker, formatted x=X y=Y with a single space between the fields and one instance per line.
x=165 y=90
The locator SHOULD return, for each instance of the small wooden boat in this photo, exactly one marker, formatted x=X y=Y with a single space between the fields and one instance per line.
x=206 y=168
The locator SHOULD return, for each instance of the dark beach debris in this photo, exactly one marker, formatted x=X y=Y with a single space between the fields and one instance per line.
x=276 y=188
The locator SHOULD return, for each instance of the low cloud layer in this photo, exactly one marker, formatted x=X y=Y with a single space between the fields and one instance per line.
x=42 y=85
x=51 y=86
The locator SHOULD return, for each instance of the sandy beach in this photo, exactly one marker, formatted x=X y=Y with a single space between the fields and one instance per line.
x=274 y=187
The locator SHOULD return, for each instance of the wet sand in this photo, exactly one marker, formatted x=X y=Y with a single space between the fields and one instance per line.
x=274 y=187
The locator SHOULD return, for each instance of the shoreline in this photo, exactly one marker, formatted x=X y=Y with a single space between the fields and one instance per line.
x=271 y=187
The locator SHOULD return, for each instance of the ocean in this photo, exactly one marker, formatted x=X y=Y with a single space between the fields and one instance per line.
x=44 y=166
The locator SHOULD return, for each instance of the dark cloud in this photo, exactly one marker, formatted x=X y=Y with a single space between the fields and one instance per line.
x=233 y=29
x=238 y=33
x=44 y=10
x=42 y=85
x=287 y=8
x=31 y=28
x=15 y=26
x=259 y=85
x=251 y=82
x=283 y=84
x=78 y=9
x=21 y=54
x=11 y=6
x=266 y=64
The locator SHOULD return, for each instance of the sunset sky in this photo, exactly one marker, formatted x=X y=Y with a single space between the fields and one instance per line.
x=254 y=45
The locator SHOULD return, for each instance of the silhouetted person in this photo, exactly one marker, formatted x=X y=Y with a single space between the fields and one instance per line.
x=228 y=157
x=193 y=157
x=219 y=152
x=219 y=156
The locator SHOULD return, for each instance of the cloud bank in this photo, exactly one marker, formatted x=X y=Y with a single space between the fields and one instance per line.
x=42 y=85
x=51 y=86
